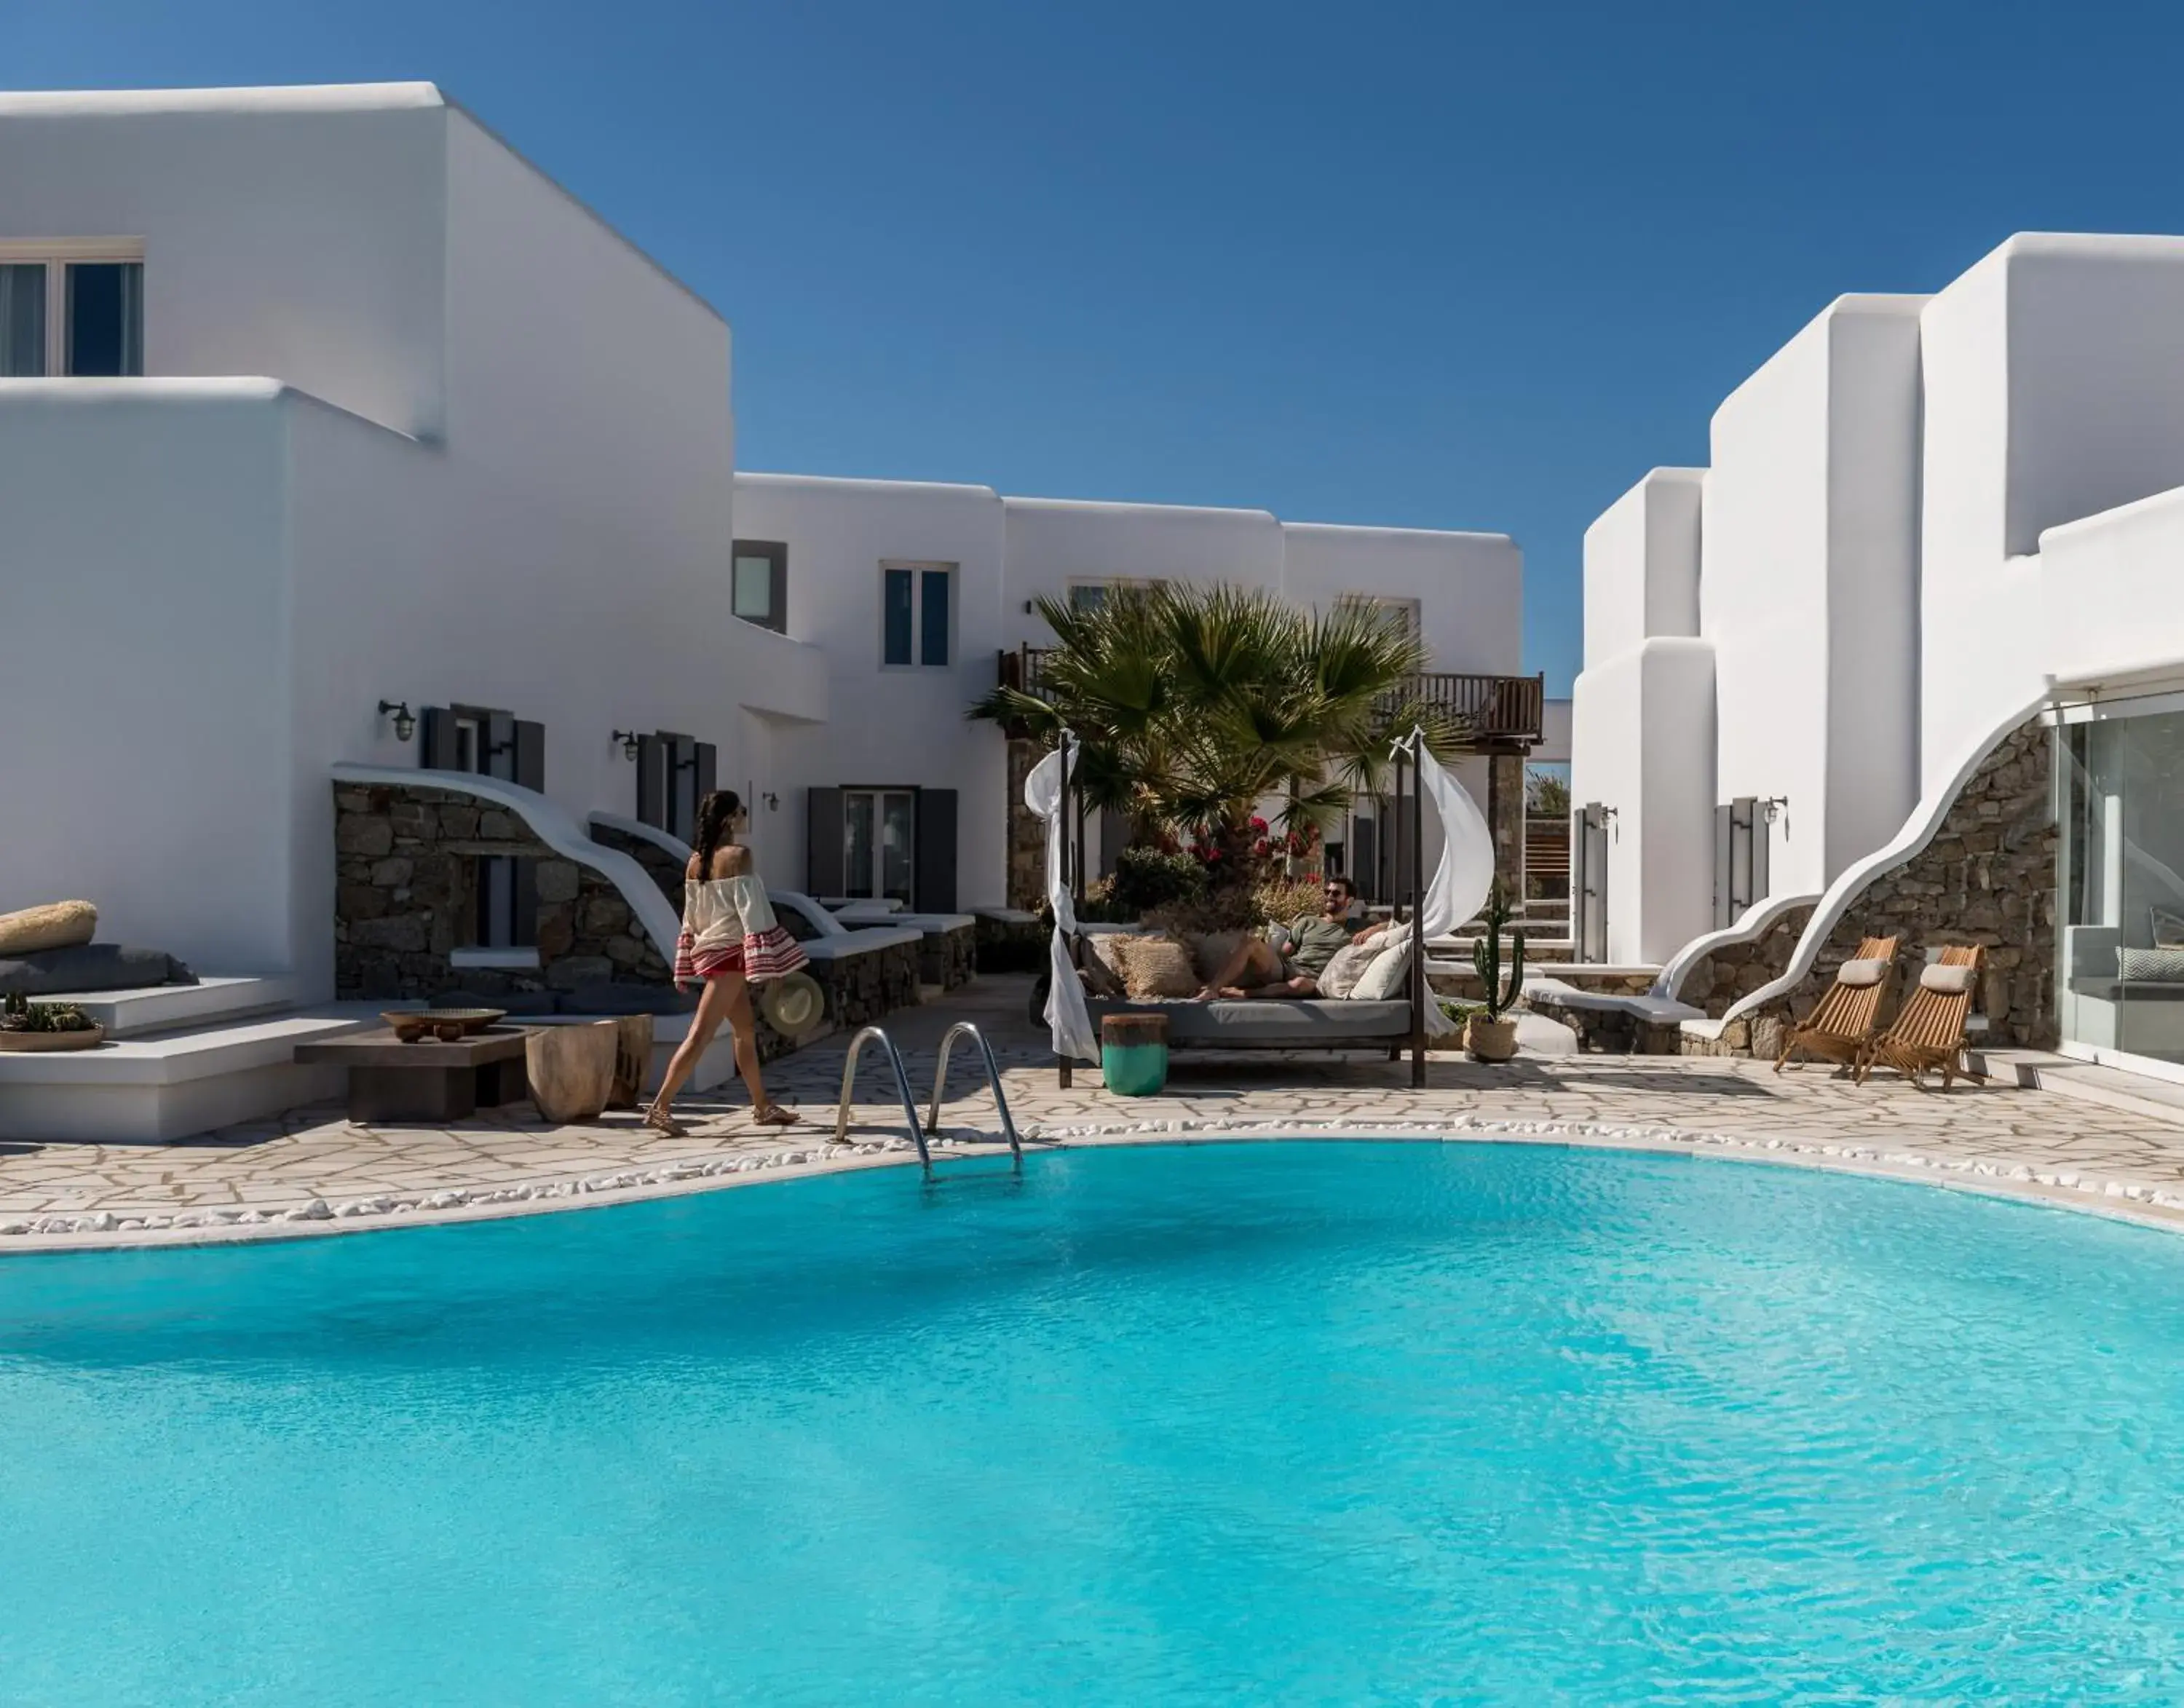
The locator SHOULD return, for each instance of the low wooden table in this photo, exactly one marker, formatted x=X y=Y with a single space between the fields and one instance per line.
x=390 y=1081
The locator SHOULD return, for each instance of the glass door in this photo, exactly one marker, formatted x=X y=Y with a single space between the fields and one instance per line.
x=879 y=844
x=2120 y=873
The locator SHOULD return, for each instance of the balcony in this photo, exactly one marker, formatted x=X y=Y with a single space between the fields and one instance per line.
x=1504 y=714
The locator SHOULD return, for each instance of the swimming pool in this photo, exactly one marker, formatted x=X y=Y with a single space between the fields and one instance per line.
x=1314 y=1422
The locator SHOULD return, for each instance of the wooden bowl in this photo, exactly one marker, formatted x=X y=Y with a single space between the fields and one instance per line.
x=473 y=1020
x=449 y=1026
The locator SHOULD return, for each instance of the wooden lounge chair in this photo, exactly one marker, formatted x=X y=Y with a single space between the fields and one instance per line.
x=1929 y=1031
x=1841 y=1024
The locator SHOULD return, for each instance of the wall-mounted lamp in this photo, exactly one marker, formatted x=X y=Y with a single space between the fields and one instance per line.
x=406 y=726
x=628 y=739
x=772 y=801
x=1777 y=806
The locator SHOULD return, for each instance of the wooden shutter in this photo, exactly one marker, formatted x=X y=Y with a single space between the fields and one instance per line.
x=824 y=835
x=652 y=781
x=932 y=883
x=435 y=751
x=531 y=755
x=497 y=733
x=709 y=769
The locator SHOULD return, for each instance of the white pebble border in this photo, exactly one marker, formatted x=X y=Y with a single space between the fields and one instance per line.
x=2158 y=1207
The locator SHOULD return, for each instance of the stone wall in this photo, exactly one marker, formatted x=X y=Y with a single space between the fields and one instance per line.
x=406 y=876
x=661 y=867
x=1027 y=852
x=1012 y=946
x=1988 y=877
x=1505 y=822
x=949 y=958
x=867 y=987
x=1719 y=977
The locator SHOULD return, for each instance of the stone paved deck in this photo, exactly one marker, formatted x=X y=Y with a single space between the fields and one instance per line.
x=314 y=1172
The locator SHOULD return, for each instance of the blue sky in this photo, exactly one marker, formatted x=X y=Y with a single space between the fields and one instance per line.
x=1445 y=265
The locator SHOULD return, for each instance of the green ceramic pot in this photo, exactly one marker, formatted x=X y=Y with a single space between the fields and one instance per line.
x=1134 y=1070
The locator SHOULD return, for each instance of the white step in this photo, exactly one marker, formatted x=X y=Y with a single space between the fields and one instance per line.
x=167 y=1008
x=142 y=1090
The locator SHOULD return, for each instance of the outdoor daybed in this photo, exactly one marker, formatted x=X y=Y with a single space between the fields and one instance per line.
x=1281 y=1023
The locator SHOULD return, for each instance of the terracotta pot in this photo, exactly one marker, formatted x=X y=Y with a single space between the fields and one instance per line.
x=632 y=1059
x=53 y=1040
x=1489 y=1041
x=571 y=1070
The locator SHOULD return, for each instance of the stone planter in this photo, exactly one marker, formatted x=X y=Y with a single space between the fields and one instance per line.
x=1489 y=1041
x=571 y=1070
x=89 y=1039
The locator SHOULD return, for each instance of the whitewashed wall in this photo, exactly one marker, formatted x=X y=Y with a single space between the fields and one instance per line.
x=901 y=725
x=1808 y=586
x=296 y=232
x=1641 y=564
x=561 y=549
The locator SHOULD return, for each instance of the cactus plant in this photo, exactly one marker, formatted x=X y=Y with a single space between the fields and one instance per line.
x=1486 y=957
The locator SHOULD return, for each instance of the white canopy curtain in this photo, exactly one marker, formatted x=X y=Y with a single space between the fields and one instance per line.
x=1463 y=879
x=1045 y=792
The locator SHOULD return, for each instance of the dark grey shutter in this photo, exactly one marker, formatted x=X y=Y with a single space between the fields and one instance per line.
x=933 y=884
x=709 y=769
x=652 y=781
x=497 y=729
x=777 y=608
x=1364 y=858
x=435 y=751
x=681 y=774
x=531 y=755
x=823 y=850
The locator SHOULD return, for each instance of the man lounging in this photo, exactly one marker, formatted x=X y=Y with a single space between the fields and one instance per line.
x=1258 y=969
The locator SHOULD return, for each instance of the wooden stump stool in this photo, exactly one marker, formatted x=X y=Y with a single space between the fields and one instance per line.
x=632 y=1059
x=1133 y=1053
x=571 y=1070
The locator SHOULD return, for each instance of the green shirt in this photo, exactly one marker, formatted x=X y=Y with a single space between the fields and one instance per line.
x=1313 y=940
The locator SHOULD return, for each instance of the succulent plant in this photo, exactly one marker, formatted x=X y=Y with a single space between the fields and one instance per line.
x=20 y=1014
x=1486 y=957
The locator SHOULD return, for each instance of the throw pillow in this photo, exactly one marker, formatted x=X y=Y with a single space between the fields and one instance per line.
x=1350 y=965
x=58 y=925
x=2151 y=966
x=2168 y=928
x=1100 y=979
x=1154 y=967
x=1388 y=977
x=1861 y=973
x=1947 y=981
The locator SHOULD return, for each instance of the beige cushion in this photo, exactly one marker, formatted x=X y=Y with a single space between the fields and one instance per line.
x=58 y=925
x=1349 y=965
x=1861 y=973
x=1387 y=978
x=1947 y=981
x=1154 y=967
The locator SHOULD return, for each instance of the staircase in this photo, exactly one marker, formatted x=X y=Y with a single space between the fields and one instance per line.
x=179 y=1059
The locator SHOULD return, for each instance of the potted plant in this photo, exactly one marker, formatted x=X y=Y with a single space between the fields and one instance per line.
x=1488 y=1036
x=27 y=1025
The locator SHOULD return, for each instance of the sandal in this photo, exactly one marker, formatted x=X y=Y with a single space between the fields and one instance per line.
x=773 y=1115
x=663 y=1123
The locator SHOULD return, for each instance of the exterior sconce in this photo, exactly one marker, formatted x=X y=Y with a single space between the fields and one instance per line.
x=772 y=801
x=628 y=739
x=405 y=725
x=1777 y=806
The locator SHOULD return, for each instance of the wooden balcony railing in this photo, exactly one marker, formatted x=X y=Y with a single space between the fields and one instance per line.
x=1499 y=711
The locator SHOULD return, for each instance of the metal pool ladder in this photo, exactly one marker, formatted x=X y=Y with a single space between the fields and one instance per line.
x=910 y=1123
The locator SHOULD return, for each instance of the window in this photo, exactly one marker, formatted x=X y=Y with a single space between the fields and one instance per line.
x=1090 y=596
x=757 y=590
x=917 y=613
x=71 y=307
x=1401 y=615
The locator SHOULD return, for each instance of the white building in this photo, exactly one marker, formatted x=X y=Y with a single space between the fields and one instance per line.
x=1928 y=521
x=317 y=400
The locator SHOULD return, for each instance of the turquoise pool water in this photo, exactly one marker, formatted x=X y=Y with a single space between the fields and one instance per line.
x=1312 y=1423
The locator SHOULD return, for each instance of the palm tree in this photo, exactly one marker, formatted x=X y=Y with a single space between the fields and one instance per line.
x=1194 y=705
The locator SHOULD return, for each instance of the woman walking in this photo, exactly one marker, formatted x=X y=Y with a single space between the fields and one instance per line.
x=723 y=905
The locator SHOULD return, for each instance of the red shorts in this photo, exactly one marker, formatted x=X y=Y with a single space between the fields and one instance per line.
x=717 y=962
